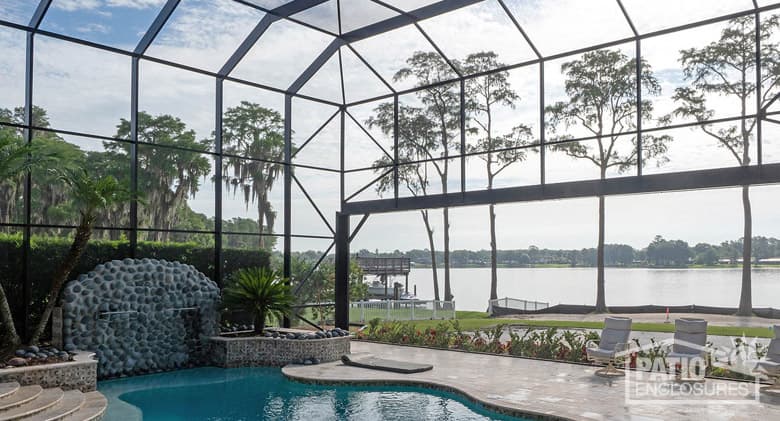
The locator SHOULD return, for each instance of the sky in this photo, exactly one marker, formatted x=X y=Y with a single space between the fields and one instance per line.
x=86 y=89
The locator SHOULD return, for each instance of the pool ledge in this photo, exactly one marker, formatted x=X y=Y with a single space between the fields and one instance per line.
x=522 y=387
x=290 y=373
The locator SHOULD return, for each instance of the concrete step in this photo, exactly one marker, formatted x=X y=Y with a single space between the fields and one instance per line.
x=45 y=400
x=20 y=397
x=72 y=401
x=8 y=389
x=94 y=407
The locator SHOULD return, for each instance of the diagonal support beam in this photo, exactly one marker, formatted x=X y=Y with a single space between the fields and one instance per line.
x=358 y=227
x=396 y=22
x=409 y=18
x=315 y=66
x=156 y=27
x=40 y=12
x=281 y=12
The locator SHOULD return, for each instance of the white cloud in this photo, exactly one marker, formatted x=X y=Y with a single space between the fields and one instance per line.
x=93 y=28
x=76 y=5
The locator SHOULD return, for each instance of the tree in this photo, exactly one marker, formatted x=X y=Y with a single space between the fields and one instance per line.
x=661 y=252
x=252 y=131
x=16 y=159
x=705 y=254
x=727 y=68
x=498 y=152
x=602 y=88
x=169 y=172
x=48 y=144
x=260 y=292
x=416 y=135
x=91 y=195
x=441 y=105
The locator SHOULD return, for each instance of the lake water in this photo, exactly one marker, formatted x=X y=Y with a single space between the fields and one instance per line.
x=639 y=286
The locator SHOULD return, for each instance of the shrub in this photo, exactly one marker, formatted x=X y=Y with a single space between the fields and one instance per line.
x=46 y=254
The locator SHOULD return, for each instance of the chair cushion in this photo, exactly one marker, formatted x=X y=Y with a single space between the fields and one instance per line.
x=776 y=330
x=617 y=323
x=600 y=353
x=616 y=331
x=773 y=352
x=769 y=367
x=690 y=325
x=690 y=336
x=689 y=343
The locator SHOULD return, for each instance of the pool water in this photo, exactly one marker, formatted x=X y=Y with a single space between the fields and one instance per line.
x=216 y=394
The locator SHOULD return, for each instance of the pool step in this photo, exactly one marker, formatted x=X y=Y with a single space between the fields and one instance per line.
x=8 y=389
x=72 y=401
x=21 y=396
x=33 y=403
x=44 y=401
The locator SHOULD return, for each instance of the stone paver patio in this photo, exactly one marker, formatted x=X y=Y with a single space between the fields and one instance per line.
x=548 y=389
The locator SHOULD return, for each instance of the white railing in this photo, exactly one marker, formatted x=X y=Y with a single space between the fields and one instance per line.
x=363 y=311
x=516 y=304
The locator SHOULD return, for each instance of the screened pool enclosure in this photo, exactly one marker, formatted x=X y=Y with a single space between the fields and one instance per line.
x=251 y=125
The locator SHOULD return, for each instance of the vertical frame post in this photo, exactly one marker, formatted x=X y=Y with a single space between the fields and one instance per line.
x=396 y=112
x=462 y=136
x=342 y=145
x=542 y=129
x=134 y=83
x=639 y=157
x=287 y=258
x=759 y=112
x=28 y=137
x=342 y=271
x=219 y=95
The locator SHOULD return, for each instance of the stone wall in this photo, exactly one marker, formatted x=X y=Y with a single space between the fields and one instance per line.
x=81 y=374
x=141 y=316
x=261 y=351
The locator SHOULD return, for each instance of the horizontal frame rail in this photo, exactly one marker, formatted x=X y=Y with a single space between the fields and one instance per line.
x=676 y=181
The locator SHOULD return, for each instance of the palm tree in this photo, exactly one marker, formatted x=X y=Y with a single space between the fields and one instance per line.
x=16 y=158
x=262 y=293
x=90 y=195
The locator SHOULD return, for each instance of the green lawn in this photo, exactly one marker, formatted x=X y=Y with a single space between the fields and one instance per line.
x=482 y=322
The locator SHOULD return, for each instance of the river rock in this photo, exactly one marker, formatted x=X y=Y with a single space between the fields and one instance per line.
x=17 y=362
x=150 y=330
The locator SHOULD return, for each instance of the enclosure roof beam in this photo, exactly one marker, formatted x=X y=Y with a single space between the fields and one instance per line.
x=40 y=12
x=156 y=27
x=396 y=22
x=281 y=12
x=656 y=183
x=409 y=18
x=315 y=66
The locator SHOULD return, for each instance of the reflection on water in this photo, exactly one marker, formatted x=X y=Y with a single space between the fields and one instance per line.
x=713 y=287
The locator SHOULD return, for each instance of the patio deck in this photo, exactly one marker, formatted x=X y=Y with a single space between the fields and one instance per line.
x=546 y=389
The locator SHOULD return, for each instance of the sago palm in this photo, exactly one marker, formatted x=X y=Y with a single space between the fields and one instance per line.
x=16 y=158
x=261 y=292
x=90 y=195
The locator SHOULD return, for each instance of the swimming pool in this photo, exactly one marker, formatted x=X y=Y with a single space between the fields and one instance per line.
x=261 y=393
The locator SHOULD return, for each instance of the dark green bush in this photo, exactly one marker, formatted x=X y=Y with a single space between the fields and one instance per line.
x=46 y=254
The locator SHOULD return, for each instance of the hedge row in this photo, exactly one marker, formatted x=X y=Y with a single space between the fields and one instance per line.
x=46 y=254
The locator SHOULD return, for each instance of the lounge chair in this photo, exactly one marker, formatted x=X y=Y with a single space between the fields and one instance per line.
x=611 y=347
x=771 y=366
x=690 y=342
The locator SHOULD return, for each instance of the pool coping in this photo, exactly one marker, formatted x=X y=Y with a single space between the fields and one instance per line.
x=425 y=384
